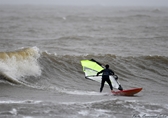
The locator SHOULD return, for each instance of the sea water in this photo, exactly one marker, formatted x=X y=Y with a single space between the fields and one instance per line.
x=40 y=52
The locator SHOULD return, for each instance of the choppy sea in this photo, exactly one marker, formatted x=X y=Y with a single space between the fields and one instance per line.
x=40 y=52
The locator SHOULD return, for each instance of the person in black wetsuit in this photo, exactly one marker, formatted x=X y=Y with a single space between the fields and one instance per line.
x=105 y=77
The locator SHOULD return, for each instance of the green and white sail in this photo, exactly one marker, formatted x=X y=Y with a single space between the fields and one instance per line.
x=91 y=68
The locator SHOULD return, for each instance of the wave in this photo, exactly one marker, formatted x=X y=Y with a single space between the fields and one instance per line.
x=18 y=64
x=64 y=73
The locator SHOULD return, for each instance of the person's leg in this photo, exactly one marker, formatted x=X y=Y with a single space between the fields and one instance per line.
x=102 y=85
x=109 y=82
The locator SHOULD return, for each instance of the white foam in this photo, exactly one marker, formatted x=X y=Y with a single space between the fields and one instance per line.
x=77 y=92
x=95 y=113
x=18 y=68
x=83 y=112
x=27 y=117
x=84 y=103
x=20 y=102
x=13 y=111
x=103 y=112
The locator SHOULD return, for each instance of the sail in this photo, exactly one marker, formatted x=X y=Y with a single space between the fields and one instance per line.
x=92 y=67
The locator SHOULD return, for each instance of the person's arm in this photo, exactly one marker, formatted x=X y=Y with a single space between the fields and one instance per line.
x=99 y=72
x=111 y=72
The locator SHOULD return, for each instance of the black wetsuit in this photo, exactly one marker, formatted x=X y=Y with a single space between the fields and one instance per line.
x=105 y=78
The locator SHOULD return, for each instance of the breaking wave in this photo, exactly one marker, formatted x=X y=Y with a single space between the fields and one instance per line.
x=18 y=64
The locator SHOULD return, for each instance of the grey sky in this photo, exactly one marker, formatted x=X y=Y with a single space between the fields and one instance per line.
x=91 y=2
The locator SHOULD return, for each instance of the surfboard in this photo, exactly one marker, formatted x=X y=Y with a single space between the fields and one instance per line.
x=128 y=92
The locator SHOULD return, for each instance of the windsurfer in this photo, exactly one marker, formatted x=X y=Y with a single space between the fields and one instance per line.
x=105 y=77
